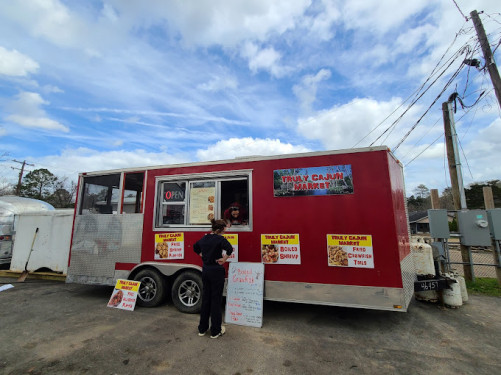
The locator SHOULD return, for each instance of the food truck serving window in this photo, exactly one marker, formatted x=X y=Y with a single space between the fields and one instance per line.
x=195 y=200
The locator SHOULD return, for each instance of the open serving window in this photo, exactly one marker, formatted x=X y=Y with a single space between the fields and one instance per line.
x=193 y=200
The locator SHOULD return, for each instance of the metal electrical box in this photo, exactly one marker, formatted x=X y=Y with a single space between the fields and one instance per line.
x=439 y=224
x=494 y=218
x=474 y=228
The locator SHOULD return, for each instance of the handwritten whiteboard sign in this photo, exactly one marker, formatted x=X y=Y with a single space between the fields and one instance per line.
x=244 y=295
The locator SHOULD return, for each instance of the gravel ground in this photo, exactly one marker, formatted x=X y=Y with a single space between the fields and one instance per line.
x=49 y=327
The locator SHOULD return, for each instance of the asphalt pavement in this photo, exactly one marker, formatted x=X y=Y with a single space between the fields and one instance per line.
x=49 y=327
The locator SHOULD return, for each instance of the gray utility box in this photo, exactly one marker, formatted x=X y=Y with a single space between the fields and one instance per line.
x=494 y=218
x=439 y=224
x=474 y=228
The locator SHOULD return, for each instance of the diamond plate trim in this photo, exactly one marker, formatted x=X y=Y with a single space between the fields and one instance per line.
x=99 y=241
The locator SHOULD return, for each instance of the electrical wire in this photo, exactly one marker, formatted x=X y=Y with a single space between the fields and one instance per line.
x=418 y=90
x=453 y=77
x=454 y=57
x=460 y=11
x=442 y=135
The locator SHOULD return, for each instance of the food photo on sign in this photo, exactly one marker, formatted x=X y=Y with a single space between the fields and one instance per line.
x=116 y=298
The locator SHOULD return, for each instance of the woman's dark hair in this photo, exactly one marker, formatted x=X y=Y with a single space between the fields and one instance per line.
x=218 y=225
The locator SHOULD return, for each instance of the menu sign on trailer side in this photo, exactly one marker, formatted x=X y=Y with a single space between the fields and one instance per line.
x=280 y=249
x=169 y=246
x=244 y=295
x=233 y=240
x=350 y=250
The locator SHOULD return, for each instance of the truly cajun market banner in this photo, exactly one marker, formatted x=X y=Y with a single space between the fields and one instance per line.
x=169 y=246
x=233 y=240
x=125 y=295
x=350 y=250
x=329 y=180
x=280 y=249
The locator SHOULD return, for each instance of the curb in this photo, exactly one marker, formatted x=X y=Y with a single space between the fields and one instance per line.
x=34 y=275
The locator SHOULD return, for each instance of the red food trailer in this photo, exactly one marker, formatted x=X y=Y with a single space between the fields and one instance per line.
x=331 y=227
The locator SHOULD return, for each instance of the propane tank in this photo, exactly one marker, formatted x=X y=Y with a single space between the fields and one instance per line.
x=423 y=257
x=428 y=296
x=462 y=284
x=452 y=297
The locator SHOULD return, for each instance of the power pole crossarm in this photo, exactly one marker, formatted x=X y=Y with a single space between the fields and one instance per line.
x=488 y=56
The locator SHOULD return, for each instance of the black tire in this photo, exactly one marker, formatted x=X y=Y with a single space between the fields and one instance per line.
x=187 y=292
x=152 y=289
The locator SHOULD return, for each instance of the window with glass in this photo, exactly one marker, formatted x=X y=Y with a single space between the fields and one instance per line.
x=132 y=202
x=100 y=195
x=196 y=201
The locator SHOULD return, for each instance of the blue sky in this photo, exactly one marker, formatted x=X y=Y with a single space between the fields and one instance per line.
x=100 y=85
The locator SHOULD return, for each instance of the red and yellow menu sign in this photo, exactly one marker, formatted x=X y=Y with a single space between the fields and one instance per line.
x=125 y=294
x=350 y=250
x=169 y=246
x=233 y=240
x=280 y=249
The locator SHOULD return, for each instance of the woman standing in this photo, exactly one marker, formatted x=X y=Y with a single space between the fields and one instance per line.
x=210 y=247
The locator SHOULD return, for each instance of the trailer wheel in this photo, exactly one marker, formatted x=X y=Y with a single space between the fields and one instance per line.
x=187 y=292
x=152 y=289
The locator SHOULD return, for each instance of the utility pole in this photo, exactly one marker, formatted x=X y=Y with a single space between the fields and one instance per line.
x=457 y=187
x=489 y=205
x=488 y=56
x=453 y=157
x=18 y=188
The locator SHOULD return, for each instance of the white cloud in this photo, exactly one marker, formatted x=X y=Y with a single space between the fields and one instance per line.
x=3 y=132
x=320 y=26
x=26 y=111
x=48 y=19
x=73 y=161
x=235 y=147
x=343 y=126
x=221 y=22
x=218 y=83
x=14 y=63
x=380 y=16
x=263 y=59
x=306 y=91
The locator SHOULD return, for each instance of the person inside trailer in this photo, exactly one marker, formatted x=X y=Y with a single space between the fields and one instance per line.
x=235 y=214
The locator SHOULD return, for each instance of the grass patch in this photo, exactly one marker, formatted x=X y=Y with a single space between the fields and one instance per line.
x=485 y=286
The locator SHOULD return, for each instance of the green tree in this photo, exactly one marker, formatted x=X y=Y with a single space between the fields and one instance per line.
x=418 y=203
x=6 y=188
x=446 y=200
x=422 y=191
x=475 y=195
x=38 y=184
x=64 y=194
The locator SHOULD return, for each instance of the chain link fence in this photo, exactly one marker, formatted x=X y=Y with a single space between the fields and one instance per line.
x=482 y=259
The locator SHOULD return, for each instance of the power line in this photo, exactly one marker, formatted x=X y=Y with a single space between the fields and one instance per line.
x=431 y=105
x=460 y=11
x=418 y=90
x=456 y=56
x=441 y=135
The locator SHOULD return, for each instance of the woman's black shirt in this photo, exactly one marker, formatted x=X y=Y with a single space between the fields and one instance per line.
x=211 y=246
